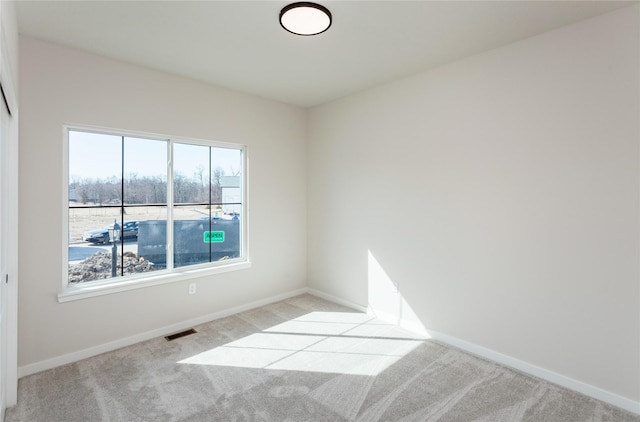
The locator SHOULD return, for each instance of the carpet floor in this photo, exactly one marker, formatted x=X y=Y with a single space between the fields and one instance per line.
x=301 y=359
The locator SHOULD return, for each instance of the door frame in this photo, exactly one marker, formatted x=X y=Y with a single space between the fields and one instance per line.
x=8 y=94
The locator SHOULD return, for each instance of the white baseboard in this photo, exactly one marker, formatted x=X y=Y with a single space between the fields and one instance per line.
x=536 y=371
x=545 y=374
x=337 y=300
x=34 y=368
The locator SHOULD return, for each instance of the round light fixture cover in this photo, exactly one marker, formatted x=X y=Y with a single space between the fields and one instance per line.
x=305 y=18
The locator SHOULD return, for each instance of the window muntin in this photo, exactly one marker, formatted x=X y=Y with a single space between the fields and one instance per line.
x=147 y=185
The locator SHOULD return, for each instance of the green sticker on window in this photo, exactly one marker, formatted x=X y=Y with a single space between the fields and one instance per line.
x=213 y=237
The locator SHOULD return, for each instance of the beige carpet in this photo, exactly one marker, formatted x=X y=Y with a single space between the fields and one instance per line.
x=302 y=359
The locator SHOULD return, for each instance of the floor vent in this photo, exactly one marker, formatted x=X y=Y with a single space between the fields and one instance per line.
x=180 y=334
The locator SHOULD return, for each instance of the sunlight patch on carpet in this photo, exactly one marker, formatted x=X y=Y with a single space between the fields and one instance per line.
x=331 y=342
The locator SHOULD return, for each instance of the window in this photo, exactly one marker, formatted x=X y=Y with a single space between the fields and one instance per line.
x=142 y=205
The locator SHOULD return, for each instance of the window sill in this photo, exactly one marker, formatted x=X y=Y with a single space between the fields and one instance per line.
x=101 y=289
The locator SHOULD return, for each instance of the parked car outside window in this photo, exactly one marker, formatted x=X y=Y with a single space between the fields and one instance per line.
x=129 y=231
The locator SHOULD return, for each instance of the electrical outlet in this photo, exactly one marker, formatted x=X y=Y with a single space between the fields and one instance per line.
x=192 y=288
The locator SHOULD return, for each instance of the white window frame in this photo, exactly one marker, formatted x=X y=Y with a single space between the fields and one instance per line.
x=153 y=278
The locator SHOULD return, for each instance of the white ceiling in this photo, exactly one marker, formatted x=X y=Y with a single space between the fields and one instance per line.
x=240 y=44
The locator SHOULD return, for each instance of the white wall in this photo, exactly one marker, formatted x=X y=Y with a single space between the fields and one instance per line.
x=501 y=194
x=60 y=85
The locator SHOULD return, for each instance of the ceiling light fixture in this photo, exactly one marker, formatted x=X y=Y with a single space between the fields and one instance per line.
x=305 y=18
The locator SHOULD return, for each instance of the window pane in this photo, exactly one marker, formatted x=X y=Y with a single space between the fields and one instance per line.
x=145 y=171
x=95 y=168
x=90 y=248
x=205 y=229
x=190 y=174
x=227 y=178
x=151 y=244
x=145 y=184
x=192 y=208
x=95 y=173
